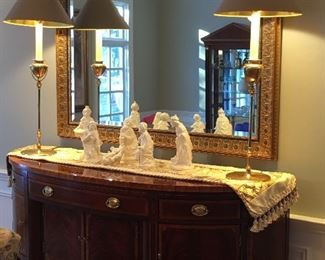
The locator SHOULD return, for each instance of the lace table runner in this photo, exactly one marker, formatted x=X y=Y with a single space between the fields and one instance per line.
x=265 y=201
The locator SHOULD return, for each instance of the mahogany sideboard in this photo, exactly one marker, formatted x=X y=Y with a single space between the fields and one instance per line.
x=67 y=212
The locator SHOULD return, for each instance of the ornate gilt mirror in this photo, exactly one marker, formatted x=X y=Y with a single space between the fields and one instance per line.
x=265 y=142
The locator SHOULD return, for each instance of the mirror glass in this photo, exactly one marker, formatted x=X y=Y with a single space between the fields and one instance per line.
x=232 y=96
x=161 y=64
x=111 y=101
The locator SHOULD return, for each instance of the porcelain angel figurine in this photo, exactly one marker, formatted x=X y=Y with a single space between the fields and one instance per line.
x=135 y=115
x=156 y=120
x=164 y=122
x=223 y=126
x=126 y=153
x=145 y=150
x=198 y=126
x=183 y=158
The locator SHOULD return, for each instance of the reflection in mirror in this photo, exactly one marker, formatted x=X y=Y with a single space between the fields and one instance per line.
x=232 y=94
x=227 y=50
x=110 y=101
x=166 y=72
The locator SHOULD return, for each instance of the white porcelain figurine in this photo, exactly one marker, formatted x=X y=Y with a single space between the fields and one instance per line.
x=163 y=124
x=87 y=132
x=135 y=115
x=145 y=150
x=183 y=158
x=223 y=126
x=91 y=143
x=156 y=120
x=126 y=153
x=198 y=126
x=84 y=122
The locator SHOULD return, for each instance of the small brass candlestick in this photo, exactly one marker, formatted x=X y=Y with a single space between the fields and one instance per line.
x=253 y=70
x=99 y=69
x=39 y=72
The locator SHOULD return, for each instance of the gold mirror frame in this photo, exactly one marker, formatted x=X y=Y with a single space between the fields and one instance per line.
x=263 y=147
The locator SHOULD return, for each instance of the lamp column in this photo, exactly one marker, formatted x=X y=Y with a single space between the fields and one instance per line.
x=39 y=71
x=253 y=70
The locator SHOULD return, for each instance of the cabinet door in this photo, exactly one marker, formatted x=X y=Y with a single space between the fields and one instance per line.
x=271 y=243
x=114 y=238
x=187 y=242
x=62 y=233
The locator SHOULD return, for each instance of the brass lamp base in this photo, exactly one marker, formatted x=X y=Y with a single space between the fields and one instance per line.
x=38 y=151
x=244 y=176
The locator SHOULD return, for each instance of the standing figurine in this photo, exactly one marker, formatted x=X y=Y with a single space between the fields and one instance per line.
x=91 y=143
x=223 y=126
x=183 y=158
x=87 y=132
x=163 y=123
x=126 y=153
x=135 y=115
x=198 y=126
x=145 y=151
x=84 y=122
x=156 y=120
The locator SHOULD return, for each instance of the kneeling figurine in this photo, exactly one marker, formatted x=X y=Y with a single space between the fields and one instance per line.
x=126 y=153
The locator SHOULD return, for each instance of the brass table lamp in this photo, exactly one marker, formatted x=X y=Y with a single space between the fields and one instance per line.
x=38 y=14
x=254 y=9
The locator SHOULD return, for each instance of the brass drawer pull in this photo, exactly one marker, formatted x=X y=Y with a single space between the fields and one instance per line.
x=48 y=191
x=113 y=203
x=199 y=210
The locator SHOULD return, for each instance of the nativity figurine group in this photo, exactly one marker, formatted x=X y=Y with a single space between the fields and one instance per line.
x=132 y=151
x=138 y=151
x=162 y=121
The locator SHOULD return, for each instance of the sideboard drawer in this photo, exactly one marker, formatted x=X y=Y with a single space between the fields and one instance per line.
x=135 y=204
x=195 y=210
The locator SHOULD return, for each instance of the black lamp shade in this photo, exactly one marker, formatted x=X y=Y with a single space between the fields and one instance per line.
x=99 y=14
x=267 y=8
x=30 y=12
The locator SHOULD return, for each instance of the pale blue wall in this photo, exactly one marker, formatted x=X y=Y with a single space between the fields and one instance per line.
x=179 y=63
x=18 y=92
x=145 y=42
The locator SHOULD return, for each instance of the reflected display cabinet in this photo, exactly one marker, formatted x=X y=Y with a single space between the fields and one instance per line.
x=69 y=212
x=227 y=49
